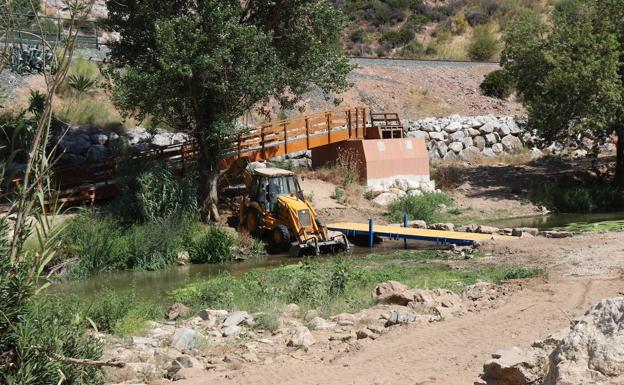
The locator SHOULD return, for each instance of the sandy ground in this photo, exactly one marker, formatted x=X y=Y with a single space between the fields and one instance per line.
x=582 y=270
x=444 y=353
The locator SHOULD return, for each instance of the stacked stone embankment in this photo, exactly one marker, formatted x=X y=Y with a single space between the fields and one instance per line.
x=466 y=138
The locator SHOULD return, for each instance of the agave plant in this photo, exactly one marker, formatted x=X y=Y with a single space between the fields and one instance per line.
x=82 y=83
x=29 y=59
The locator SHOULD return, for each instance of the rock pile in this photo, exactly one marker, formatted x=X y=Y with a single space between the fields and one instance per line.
x=467 y=138
x=177 y=350
x=591 y=351
x=385 y=193
x=81 y=144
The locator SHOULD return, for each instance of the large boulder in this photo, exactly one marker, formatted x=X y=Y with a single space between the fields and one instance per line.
x=393 y=292
x=301 y=337
x=184 y=338
x=511 y=143
x=515 y=366
x=235 y=318
x=470 y=153
x=178 y=310
x=479 y=142
x=457 y=136
x=384 y=199
x=456 y=147
x=593 y=351
x=436 y=136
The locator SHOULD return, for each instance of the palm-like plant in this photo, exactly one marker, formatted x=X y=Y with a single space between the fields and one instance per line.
x=82 y=83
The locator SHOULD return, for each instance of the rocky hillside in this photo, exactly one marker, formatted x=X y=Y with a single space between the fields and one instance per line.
x=431 y=29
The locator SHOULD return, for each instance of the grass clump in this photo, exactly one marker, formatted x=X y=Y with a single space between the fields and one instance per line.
x=424 y=207
x=448 y=176
x=120 y=315
x=331 y=287
x=212 y=245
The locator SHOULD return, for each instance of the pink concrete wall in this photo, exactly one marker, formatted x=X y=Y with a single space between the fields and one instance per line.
x=380 y=159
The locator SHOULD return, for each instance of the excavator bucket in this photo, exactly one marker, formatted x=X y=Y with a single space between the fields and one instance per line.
x=337 y=244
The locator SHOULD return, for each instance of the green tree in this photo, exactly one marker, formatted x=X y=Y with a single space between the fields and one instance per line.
x=200 y=65
x=570 y=71
x=483 y=45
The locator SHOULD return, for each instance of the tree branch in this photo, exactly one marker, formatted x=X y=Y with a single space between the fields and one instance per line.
x=86 y=362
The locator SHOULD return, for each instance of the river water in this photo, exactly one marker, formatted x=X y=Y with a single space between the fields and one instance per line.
x=154 y=285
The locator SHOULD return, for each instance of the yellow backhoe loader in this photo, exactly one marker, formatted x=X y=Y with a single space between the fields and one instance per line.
x=276 y=210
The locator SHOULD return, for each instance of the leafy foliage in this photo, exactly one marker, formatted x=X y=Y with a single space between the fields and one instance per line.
x=424 y=207
x=569 y=70
x=213 y=245
x=497 y=84
x=483 y=45
x=199 y=66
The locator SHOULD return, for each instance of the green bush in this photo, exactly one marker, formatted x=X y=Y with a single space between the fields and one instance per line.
x=49 y=325
x=497 y=85
x=577 y=199
x=155 y=193
x=521 y=272
x=154 y=245
x=414 y=50
x=357 y=36
x=120 y=314
x=100 y=243
x=213 y=245
x=483 y=45
x=424 y=207
x=397 y=38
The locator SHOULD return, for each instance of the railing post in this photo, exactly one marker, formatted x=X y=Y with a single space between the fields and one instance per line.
x=285 y=139
x=307 y=127
x=262 y=140
x=239 y=145
x=357 y=122
x=405 y=217
x=349 y=122
x=97 y=46
x=371 y=234
x=364 y=122
x=328 y=129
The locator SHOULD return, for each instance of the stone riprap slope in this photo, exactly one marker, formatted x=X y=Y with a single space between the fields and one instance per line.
x=467 y=138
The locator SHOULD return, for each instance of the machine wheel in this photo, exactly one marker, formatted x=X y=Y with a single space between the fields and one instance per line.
x=280 y=238
x=254 y=222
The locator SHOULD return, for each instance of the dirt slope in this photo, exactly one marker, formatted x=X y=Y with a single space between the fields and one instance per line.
x=445 y=353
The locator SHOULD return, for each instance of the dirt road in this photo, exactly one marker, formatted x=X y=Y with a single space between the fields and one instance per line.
x=444 y=353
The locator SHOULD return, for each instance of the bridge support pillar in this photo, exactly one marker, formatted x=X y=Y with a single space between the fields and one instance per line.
x=379 y=161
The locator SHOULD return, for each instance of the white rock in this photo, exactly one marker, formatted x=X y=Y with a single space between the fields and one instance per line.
x=511 y=143
x=184 y=338
x=457 y=136
x=497 y=148
x=442 y=149
x=436 y=136
x=456 y=147
x=470 y=153
x=235 y=318
x=468 y=142
x=301 y=337
x=479 y=142
x=451 y=156
x=488 y=153
x=491 y=138
x=415 y=193
x=232 y=331
x=488 y=128
x=318 y=323
x=384 y=199
x=375 y=190
x=453 y=126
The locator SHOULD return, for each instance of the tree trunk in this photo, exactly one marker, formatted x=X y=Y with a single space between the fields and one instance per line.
x=210 y=193
x=619 y=163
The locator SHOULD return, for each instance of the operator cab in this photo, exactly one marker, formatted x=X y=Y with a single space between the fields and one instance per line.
x=267 y=184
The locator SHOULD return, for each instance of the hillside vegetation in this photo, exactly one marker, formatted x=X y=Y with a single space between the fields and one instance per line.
x=430 y=29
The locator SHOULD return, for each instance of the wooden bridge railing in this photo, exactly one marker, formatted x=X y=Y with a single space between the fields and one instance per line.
x=93 y=181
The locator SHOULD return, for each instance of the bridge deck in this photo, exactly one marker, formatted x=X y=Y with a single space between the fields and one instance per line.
x=396 y=232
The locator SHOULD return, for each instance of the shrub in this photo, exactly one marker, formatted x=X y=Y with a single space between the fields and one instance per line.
x=475 y=18
x=521 y=272
x=95 y=242
x=497 y=85
x=483 y=45
x=577 y=199
x=459 y=24
x=154 y=194
x=448 y=176
x=397 y=38
x=213 y=245
x=153 y=245
x=357 y=36
x=89 y=111
x=424 y=207
x=338 y=194
x=51 y=325
x=414 y=50
x=121 y=314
